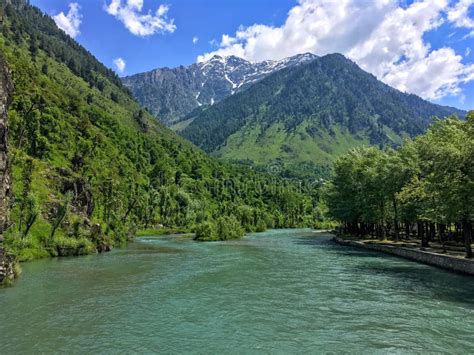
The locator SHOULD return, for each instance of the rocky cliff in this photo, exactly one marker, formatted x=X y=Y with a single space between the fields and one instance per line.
x=6 y=262
x=5 y=90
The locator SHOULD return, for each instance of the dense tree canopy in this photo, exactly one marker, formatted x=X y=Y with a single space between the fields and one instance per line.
x=426 y=184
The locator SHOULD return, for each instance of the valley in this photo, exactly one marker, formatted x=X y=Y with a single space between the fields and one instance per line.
x=302 y=185
x=90 y=167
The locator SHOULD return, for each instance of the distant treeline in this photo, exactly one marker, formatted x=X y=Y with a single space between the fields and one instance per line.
x=423 y=189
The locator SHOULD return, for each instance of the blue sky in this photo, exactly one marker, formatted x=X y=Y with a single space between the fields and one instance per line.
x=424 y=47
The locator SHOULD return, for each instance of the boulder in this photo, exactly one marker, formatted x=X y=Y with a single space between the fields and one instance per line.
x=7 y=267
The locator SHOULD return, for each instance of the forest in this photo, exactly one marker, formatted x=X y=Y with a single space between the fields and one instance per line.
x=326 y=92
x=424 y=189
x=90 y=168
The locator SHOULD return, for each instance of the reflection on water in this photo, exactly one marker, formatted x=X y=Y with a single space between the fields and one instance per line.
x=281 y=291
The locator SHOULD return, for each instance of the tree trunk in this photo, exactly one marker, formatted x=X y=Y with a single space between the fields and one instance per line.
x=29 y=224
x=432 y=234
x=422 y=234
x=395 y=219
x=442 y=239
x=407 y=230
x=467 y=232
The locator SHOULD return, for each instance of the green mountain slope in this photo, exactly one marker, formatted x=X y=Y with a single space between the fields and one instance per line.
x=90 y=167
x=303 y=117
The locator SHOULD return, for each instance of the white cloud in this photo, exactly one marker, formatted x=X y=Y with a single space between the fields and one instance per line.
x=469 y=35
x=129 y=12
x=459 y=14
x=467 y=51
x=120 y=64
x=381 y=36
x=71 y=22
x=195 y=40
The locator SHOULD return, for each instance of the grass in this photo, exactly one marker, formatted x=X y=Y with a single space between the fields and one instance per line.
x=276 y=145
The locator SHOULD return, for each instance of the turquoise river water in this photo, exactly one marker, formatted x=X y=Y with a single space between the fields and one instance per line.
x=283 y=291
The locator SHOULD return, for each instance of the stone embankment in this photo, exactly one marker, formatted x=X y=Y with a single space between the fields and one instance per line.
x=447 y=262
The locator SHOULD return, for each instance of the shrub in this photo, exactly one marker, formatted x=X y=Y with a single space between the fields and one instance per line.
x=261 y=226
x=64 y=246
x=228 y=227
x=206 y=231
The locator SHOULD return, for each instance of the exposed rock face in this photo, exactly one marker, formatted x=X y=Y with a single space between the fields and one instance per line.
x=170 y=94
x=5 y=182
x=18 y=3
x=6 y=261
x=7 y=271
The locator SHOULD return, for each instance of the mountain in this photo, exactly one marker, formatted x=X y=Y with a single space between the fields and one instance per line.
x=89 y=166
x=301 y=117
x=170 y=94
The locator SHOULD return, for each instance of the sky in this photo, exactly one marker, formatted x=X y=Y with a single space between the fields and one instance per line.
x=425 y=47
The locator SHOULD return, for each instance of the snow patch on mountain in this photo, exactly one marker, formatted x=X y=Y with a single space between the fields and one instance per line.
x=173 y=93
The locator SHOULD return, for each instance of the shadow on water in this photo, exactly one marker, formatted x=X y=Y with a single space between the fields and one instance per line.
x=325 y=241
x=442 y=284
x=405 y=274
x=145 y=247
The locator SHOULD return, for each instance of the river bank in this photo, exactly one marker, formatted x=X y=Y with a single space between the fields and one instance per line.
x=448 y=262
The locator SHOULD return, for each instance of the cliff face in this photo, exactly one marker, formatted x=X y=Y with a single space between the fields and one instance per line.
x=6 y=261
x=5 y=182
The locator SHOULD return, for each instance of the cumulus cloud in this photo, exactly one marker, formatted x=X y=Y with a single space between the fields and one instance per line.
x=195 y=40
x=71 y=22
x=459 y=14
x=130 y=13
x=120 y=64
x=384 y=38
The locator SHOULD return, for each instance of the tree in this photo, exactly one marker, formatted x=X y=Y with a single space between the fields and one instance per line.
x=428 y=181
x=32 y=212
x=228 y=227
x=205 y=231
x=61 y=214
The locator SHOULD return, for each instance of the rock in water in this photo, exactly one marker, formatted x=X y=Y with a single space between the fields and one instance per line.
x=7 y=270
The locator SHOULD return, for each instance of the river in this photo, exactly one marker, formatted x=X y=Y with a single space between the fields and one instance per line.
x=282 y=291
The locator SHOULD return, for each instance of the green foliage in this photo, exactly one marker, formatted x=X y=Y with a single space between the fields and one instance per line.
x=428 y=182
x=228 y=227
x=90 y=166
x=225 y=228
x=206 y=231
x=63 y=246
x=309 y=114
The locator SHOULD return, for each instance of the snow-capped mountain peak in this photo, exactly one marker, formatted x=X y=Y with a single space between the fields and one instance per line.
x=172 y=93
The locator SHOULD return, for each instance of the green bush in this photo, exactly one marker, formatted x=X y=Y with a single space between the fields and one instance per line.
x=261 y=226
x=63 y=246
x=228 y=227
x=206 y=231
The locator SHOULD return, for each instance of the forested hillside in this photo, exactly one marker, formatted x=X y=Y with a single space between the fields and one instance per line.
x=90 y=166
x=303 y=117
x=424 y=189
